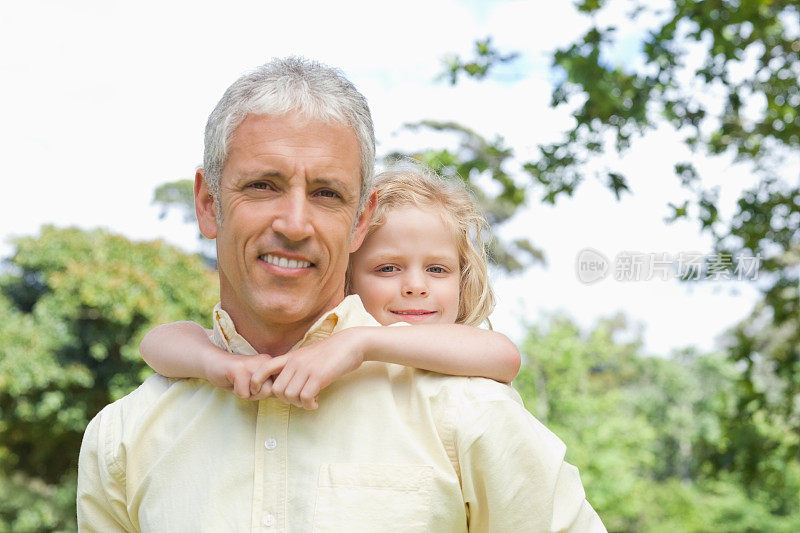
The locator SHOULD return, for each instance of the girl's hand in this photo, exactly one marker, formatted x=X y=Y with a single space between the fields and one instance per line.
x=306 y=371
x=260 y=384
x=233 y=372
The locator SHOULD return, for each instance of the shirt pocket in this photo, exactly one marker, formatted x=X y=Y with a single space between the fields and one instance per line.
x=373 y=497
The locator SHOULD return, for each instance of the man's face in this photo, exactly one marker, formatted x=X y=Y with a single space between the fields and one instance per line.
x=288 y=201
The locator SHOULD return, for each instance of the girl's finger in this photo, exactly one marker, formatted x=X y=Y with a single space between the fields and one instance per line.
x=241 y=385
x=264 y=392
x=293 y=388
x=264 y=371
x=279 y=383
x=308 y=396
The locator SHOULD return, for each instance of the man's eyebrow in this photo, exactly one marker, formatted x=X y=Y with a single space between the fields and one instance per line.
x=262 y=174
x=329 y=182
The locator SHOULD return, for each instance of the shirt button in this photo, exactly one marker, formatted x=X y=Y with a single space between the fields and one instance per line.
x=270 y=444
x=269 y=520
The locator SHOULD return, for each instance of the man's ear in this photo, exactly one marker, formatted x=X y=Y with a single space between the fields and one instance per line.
x=204 y=207
x=363 y=222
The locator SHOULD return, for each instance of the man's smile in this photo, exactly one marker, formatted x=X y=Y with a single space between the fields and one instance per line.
x=285 y=262
x=286 y=265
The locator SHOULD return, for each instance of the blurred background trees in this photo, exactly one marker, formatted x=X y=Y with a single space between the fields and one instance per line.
x=724 y=74
x=74 y=305
x=685 y=442
x=651 y=434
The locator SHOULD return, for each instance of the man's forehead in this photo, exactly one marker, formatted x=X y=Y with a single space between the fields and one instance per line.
x=292 y=123
x=284 y=144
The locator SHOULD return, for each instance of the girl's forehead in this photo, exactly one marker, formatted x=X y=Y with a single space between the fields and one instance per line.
x=431 y=210
x=410 y=227
x=435 y=218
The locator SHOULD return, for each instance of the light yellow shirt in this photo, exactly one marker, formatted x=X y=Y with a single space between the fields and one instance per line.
x=390 y=448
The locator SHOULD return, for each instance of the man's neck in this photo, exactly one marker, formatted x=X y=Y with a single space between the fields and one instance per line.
x=268 y=337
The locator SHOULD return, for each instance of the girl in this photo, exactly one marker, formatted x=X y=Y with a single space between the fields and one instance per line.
x=423 y=262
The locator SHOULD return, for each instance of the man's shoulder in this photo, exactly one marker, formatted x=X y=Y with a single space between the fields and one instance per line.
x=474 y=405
x=135 y=408
x=455 y=401
x=468 y=391
x=147 y=393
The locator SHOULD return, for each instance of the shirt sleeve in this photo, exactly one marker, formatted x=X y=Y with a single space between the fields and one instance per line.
x=101 y=498
x=513 y=474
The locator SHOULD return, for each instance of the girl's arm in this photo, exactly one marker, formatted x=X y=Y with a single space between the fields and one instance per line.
x=444 y=348
x=183 y=350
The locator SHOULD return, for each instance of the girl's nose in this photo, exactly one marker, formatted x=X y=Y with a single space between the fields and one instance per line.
x=414 y=284
x=411 y=292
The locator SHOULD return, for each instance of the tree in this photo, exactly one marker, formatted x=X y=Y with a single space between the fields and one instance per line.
x=741 y=101
x=645 y=431
x=74 y=305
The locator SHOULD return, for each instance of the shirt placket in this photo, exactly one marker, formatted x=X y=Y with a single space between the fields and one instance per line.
x=271 y=466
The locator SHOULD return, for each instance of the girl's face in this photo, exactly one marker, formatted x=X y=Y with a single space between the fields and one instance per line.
x=408 y=269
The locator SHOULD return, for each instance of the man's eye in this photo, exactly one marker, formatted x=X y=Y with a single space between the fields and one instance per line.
x=327 y=193
x=260 y=185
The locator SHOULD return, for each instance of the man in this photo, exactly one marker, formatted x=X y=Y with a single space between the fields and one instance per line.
x=285 y=191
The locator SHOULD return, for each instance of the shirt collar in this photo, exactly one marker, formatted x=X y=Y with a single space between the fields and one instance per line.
x=226 y=337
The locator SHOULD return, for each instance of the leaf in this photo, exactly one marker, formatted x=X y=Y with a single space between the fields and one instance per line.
x=618 y=184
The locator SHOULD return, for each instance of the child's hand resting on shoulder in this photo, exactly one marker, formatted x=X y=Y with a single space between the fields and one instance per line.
x=233 y=372
x=298 y=376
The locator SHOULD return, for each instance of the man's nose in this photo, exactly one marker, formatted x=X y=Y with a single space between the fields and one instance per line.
x=414 y=284
x=293 y=218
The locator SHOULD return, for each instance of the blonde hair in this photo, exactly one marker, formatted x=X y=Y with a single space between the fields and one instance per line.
x=421 y=187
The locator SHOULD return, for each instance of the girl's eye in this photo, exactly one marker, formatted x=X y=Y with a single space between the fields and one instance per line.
x=437 y=269
x=387 y=268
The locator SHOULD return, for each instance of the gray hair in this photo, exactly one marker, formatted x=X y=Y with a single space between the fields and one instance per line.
x=293 y=84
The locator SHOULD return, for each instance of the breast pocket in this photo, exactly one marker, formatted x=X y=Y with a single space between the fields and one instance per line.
x=370 y=497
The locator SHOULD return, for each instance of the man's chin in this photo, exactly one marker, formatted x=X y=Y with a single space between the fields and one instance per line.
x=291 y=309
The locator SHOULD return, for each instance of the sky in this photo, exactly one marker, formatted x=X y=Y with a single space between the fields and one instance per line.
x=103 y=101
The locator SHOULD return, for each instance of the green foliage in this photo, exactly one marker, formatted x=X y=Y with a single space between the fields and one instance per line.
x=765 y=415
x=754 y=118
x=740 y=100
x=73 y=306
x=30 y=505
x=648 y=433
